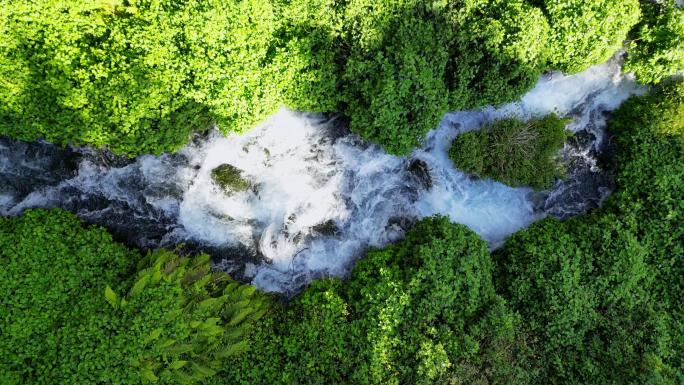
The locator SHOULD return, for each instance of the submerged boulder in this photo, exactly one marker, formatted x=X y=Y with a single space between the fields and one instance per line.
x=328 y=228
x=419 y=169
x=229 y=179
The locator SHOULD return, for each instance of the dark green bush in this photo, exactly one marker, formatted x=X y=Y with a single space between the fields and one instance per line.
x=499 y=51
x=395 y=71
x=426 y=312
x=582 y=288
x=62 y=323
x=603 y=292
x=513 y=152
x=423 y=311
x=48 y=265
x=411 y=61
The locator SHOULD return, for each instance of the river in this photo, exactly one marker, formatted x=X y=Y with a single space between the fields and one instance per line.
x=318 y=195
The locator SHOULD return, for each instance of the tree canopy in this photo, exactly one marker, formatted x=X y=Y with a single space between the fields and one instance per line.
x=140 y=76
x=423 y=311
x=602 y=292
x=657 y=42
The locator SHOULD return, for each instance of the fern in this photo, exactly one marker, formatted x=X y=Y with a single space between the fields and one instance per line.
x=234 y=349
x=139 y=286
x=111 y=297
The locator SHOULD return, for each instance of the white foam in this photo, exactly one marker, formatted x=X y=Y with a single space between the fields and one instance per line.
x=302 y=178
x=6 y=201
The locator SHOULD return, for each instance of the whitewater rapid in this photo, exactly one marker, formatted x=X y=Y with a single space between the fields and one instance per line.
x=318 y=195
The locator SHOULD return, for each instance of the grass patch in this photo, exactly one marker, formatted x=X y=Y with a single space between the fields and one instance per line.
x=514 y=152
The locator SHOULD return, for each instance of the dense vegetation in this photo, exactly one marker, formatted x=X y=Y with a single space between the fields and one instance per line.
x=512 y=151
x=141 y=76
x=423 y=311
x=602 y=293
x=73 y=311
x=657 y=42
x=596 y=299
x=586 y=32
x=591 y=300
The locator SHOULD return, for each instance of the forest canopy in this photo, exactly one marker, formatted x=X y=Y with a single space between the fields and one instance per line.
x=594 y=299
x=139 y=77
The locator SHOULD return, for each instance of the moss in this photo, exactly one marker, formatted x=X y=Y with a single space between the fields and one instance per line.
x=229 y=178
x=513 y=152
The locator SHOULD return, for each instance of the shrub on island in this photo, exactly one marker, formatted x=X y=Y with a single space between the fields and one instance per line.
x=512 y=151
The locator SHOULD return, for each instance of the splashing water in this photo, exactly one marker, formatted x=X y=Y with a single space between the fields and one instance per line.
x=317 y=198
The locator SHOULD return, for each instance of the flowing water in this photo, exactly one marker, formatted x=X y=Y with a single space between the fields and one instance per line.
x=318 y=196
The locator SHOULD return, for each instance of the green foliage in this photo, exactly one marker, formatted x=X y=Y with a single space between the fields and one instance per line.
x=141 y=76
x=174 y=322
x=587 y=32
x=396 y=70
x=427 y=310
x=603 y=292
x=650 y=173
x=249 y=58
x=97 y=73
x=47 y=263
x=229 y=178
x=411 y=61
x=513 y=152
x=423 y=311
x=581 y=287
x=657 y=47
x=306 y=342
x=501 y=47
x=595 y=299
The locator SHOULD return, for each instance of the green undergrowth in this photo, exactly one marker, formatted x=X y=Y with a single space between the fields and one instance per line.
x=73 y=310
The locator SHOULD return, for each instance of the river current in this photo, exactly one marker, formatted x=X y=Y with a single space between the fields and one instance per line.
x=318 y=196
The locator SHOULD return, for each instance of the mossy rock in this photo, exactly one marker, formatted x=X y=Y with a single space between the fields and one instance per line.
x=229 y=178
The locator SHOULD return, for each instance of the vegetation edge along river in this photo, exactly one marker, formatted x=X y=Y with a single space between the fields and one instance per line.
x=590 y=299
